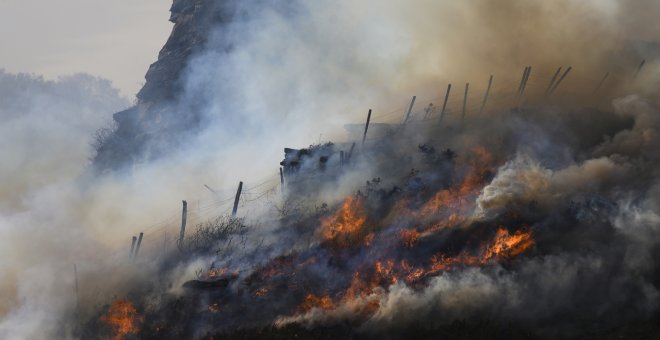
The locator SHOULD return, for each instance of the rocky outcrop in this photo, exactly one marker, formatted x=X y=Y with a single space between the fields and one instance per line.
x=156 y=122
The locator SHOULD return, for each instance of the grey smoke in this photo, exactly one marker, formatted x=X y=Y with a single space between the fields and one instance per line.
x=297 y=71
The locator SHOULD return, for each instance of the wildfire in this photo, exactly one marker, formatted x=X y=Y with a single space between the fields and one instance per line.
x=449 y=207
x=362 y=296
x=346 y=227
x=503 y=246
x=409 y=237
x=312 y=301
x=217 y=272
x=123 y=318
x=507 y=245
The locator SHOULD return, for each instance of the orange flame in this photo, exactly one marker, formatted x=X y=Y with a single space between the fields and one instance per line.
x=503 y=246
x=409 y=237
x=312 y=301
x=123 y=318
x=445 y=209
x=346 y=227
x=448 y=208
x=507 y=245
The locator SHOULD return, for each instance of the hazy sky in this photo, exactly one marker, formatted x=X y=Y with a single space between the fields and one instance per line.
x=114 y=39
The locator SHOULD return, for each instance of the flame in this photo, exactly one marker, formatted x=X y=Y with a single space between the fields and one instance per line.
x=357 y=296
x=261 y=292
x=506 y=245
x=409 y=237
x=362 y=296
x=449 y=207
x=384 y=273
x=412 y=274
x=503 y=246
x=123 y=318
x=312 y=301
x=217 y=272
x=346 y=227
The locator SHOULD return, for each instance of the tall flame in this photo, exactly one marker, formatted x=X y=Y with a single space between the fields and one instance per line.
x=506 y=245
x=346 y=227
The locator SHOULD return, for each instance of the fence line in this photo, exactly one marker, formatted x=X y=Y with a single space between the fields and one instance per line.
x=503 y=92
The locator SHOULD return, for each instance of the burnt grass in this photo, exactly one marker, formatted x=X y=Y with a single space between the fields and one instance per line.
x=242 y=315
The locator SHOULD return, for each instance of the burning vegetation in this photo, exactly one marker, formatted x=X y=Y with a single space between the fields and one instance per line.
x=123 y=319
x=456 y=232
x=536 y=208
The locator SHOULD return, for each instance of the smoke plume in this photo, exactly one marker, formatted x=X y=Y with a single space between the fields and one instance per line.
x=576 y=170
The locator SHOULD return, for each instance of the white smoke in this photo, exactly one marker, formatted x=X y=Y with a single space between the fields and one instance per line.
x=294 y=75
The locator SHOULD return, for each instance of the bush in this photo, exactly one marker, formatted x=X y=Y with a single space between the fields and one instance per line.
x=220 y=234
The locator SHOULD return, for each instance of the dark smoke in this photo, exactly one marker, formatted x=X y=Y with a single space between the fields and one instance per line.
x=576 y=170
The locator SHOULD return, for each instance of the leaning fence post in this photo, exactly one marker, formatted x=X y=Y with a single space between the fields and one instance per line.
x=602 y=81
x=639 y=68
x=483 y=104
x=366 y=127
x=561 y=79
x=137 y=247
x=552 y=81
x=524 y=85
x=412 y=103
x=444 y=105
x=522 y=80
x=350 y=153
x=238 y=197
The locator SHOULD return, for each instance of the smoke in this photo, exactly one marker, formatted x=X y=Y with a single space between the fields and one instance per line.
x=47 y=133
x=594 y=217
x=294 y=74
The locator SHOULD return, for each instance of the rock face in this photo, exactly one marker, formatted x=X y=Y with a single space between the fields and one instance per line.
x=157 y=122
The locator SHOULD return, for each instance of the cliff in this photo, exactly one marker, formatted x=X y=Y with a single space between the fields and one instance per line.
x=158 y=122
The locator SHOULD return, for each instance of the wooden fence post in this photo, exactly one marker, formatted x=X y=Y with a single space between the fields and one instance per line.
x=184 y=217
x=467 y=87
x=552 y=81
x=522 y=80
x=483 y=104
x=350 y=153
x=412 y=103
x=281 y=179
x=639 y=68
x=137 y=247
x=524 y=85
x=366 y=127
x=444 y=105
x=236 y=200
x=561 y=79
x=130 y=256
x=602 y=81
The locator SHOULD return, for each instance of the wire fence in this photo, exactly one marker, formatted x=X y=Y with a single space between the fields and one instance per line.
x=162 y=235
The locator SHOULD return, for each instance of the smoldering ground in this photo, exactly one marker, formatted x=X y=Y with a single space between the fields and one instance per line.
x=295 y=71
